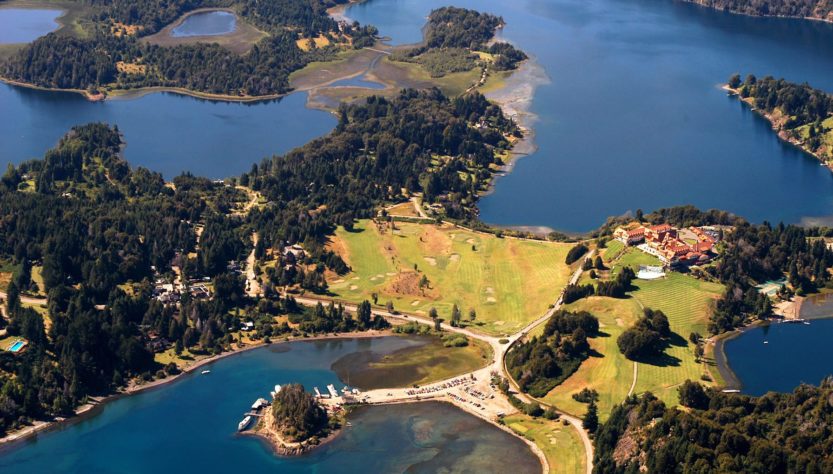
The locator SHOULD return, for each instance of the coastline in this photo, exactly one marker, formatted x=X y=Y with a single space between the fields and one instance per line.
x=782 y=134
x=125 y=94
x=751 y=15
x=83 y=411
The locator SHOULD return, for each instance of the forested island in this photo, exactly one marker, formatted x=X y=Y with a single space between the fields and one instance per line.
x=296 y=421
x=457 y=40
x=809 y=9
x=799 y=113
x=113 y=54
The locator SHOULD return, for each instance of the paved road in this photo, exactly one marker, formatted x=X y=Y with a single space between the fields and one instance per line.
x=497 y=366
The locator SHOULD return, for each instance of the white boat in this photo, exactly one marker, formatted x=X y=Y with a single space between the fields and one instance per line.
x=243 y=424
x=766 y=342
x=205 y=372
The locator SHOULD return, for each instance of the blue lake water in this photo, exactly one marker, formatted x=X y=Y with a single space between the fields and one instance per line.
x=633 y=116
x=165 y=132
x=793 y=354
x=213 y=23
x=190 y=426
x=358 y=81
x=23 y=25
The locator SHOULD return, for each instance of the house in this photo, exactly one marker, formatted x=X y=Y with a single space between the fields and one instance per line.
x=632 y=234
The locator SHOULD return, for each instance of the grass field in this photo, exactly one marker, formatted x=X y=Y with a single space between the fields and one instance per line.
x=508 y=282
x=608 y=371
x=561 y=445
x=685 y=300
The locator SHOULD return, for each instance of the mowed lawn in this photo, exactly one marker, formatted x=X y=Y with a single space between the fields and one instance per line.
x=509 y=282
x=561 y=444
x=607 y=370
x=685 y=300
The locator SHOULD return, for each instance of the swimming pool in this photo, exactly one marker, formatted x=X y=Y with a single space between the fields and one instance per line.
x=18 y=345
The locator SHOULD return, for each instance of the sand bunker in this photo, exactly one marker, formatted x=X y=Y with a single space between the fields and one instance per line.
x=431 y=261
x=455 y=257
x=354 y=287
x=491 y=299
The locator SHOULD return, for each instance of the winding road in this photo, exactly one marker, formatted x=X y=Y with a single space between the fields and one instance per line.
x=497 y=366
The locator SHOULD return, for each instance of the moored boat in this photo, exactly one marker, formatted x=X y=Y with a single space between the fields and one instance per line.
x=244 y=423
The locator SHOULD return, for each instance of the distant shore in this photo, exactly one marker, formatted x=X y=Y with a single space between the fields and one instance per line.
x=751 y=15
x=82 y=412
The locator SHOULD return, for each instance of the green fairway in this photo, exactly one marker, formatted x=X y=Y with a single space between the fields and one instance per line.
x=508 y=282
x=686 y=302
x=608 y=371
x=561 y=444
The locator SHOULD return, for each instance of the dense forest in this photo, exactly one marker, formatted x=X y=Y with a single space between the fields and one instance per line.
x=91 y=63
x=452 y=35
x=102 y=234
x=297 y=414
x=720 y=432
x=544 y=362
x=800 y=113
x=417 y=142
x=822 y=9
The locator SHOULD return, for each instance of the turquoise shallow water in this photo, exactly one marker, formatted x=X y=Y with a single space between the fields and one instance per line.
x=633 y=116
x=190 y=426
x=22 y=25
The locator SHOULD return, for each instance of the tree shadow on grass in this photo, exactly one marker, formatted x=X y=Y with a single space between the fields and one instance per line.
x=662 y=360
x=595 y=353
x=676 y=340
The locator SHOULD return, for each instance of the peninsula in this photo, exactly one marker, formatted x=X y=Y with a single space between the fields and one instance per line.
x=799 y=114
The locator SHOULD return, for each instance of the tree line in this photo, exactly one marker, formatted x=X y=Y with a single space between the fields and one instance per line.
x=789 y=8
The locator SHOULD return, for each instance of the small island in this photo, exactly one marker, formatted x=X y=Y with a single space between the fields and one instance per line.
x=296 y=422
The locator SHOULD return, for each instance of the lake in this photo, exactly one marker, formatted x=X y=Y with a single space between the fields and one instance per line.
x=190 y=426
x=24 y=25
x=793 y=354
x=165 y=132
x=633 y=116
x=212 y=23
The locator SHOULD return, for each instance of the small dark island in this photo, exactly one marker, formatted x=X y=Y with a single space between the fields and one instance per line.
x=296 y=422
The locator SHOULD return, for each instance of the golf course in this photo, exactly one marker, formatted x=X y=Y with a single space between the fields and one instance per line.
x=507 y=282
x=684 y=299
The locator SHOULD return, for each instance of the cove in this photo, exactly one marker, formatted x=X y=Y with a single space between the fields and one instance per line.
x=793 y=354
x=213 y=23
x=189 y=426
x=165 y=132
x=23 y=25
x=633 y=116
